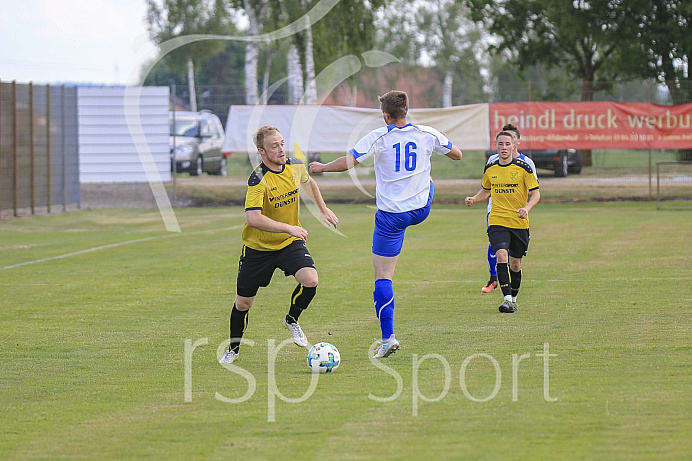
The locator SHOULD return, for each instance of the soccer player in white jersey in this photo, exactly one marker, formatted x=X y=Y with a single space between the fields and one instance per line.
x=492 y=257
x=401 y=153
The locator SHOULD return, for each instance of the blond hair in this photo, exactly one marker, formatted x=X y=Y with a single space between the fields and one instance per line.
x=261 y=133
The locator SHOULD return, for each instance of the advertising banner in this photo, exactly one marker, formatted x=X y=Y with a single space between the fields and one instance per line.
x=595 y=125
x=317 y=128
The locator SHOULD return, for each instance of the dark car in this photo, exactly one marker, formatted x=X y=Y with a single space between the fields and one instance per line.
x=561 y=161
x=196 y=139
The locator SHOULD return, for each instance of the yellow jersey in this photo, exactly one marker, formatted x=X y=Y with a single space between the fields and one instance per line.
x=509 y=187
x=276 y=194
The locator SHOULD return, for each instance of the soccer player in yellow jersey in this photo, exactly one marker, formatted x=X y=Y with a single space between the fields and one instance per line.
x=273 y=236
x=514 y=190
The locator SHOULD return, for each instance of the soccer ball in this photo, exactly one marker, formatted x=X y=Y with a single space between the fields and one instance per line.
x=323 y=358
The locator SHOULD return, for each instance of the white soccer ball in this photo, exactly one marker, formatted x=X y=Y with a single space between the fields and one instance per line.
x=323 y=358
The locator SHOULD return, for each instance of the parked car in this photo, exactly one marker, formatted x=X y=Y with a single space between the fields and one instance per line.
x=562 y=161
x=196 y=139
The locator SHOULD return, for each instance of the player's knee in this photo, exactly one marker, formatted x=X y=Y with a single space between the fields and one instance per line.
x=312 y=283
x=243 y=304
x=515 y=265
x=307 y=277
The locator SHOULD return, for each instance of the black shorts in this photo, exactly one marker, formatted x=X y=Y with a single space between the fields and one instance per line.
x=256 y=268
x=515 y=241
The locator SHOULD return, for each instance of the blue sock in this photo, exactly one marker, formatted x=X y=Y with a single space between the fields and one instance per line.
x=492 y=262
x=384 y=306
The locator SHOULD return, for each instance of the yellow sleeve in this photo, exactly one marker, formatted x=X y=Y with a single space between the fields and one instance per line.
x=486 y=181
x=530 y=181
x=300 y=173
x=254 y=198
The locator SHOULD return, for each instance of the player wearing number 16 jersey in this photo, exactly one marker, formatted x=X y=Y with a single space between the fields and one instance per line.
x=401 y=153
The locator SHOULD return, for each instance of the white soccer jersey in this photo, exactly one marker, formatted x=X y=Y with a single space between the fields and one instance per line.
x=521 y=156
x=402 y=163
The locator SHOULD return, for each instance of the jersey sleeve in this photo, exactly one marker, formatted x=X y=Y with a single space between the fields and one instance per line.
x=254 y=198
x=530 y=180
x=486 y=181
x=442 y=145
x=532 y=165
x=300 y=173
x=365 y=147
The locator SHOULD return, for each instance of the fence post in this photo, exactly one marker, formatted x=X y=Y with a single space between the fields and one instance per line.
x=63 y=148
x=650 y=173
x=32 y=168
x=0 y=150
x=658 y=187
x=174 y=161
x=15 y=173
x=48 y=147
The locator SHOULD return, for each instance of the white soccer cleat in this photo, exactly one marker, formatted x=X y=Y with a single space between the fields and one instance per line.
x=298 y=336
x=229 y=357
x=387 y=347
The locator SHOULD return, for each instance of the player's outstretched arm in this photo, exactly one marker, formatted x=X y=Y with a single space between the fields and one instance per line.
x=340 y=164
x=455 y=153
x=480 y=196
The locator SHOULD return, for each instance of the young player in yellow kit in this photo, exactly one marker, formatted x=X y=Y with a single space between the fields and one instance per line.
x=514 y=190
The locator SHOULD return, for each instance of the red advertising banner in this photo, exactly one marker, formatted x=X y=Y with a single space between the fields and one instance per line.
x=595 y=125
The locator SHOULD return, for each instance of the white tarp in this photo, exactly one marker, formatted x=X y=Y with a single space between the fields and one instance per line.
x=318 y=128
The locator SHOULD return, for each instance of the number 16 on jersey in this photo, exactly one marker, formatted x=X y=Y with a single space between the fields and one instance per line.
x=410 y=156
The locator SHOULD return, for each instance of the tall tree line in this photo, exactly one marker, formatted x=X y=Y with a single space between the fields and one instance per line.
x=466 y=43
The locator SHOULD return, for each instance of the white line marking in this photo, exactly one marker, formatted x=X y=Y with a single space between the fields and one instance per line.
x=114 y=245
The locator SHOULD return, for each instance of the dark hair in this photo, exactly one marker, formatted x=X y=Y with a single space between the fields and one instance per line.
x=510 y=127
x=259 y=135
x=503 y=133
x=394 y=103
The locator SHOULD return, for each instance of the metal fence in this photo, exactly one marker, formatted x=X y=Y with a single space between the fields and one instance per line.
x=40 y=171
x=39 y=163
x=613 y=174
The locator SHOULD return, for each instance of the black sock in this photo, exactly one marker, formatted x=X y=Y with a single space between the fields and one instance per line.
x=238 y=326
x=516 y=281
x=503 y=278
x=300 y=300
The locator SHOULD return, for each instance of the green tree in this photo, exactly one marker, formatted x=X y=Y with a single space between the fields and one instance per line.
x=667 y=41
x=437 y=34
x=588 y=39
x=348 y=28
x=168 y=19
x=665 y=44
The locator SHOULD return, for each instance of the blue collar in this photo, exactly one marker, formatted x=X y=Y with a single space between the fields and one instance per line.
x=391 y=127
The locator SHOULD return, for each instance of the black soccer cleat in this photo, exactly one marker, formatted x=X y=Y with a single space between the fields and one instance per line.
x=508 y=307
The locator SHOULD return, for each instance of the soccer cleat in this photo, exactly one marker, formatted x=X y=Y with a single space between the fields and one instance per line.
x=298 y=336
x=229 y=357
x=387 y=347
x=488 y=288
x=508 y=307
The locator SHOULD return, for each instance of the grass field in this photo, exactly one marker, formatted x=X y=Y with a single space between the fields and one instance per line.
x=100 y=311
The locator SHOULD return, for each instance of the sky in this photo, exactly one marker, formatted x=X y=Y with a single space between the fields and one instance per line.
x=100 y=42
